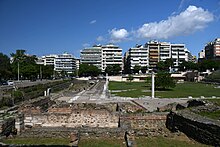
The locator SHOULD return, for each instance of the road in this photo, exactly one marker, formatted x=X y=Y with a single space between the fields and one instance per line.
x=91 y=94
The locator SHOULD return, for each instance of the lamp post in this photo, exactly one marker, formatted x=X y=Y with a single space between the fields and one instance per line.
x=18 y=72
x=152 y=88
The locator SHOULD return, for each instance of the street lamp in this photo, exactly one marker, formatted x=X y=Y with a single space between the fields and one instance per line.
x=18 y=71
x=152 y=88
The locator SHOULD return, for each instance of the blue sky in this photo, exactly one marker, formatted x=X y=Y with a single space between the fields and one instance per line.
x=55 y=26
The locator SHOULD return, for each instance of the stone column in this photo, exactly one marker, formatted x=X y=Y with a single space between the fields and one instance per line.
x=152 y=88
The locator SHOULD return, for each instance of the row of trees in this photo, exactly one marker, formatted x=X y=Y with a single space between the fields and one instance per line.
x=25 y=65
x=168 y=64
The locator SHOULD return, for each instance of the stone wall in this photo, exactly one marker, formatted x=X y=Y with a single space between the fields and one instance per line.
x=202 y=129
x=67 y=117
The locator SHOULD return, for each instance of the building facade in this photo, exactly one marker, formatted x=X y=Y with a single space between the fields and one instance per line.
x=111 y=55
x=92 y=55
x=155 y=51
x=65 y=62
x=178 y=54
x=212 y=50
x=136 y=56
x=102 y=56
x=49 y=59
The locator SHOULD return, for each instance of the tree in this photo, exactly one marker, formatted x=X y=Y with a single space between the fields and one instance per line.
x=113 y=69
x=143 y=69
x=188 y=66
x=88 y=70
x=27 y=65
x=136 y=69
x=208 y=64
x=5 y=70
x=47 y=71
x=164 y=81
x=130 y=77
x=165 y=65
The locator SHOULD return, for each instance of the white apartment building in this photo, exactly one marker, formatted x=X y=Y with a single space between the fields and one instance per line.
x=111 y=55
x=155 y=51
x=178 y=54
x=92 y=55
x=164 y=51
x=137 y=56
x=65 y=62
x=49 y=59
x=102 y=56
x=201 y=54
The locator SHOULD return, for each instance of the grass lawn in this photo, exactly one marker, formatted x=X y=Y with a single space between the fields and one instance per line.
x=165 y=142
x=139 y=89
x=213 y=115
x=37 y=141
x=101 y=142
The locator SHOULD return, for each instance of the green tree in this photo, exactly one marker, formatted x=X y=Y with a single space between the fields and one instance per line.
x=27 y=65
x=113 y=69
x=130 y=77
x=136 y=69
x=88 y=70
x=47 y=71
x=165 y=65
x=164 y=81
x=209 y=64
x=5 y=70
x=188 y=66
x=143 y=69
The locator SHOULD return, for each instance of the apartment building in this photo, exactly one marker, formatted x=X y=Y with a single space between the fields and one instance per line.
x=212 y=50
x=92 y=55
x=65 y=62
x=136 y=56
x=153 y=50
x=178 y=54
x=111 y=55
x=164 y=51
x=49 y=59
x=102 y=56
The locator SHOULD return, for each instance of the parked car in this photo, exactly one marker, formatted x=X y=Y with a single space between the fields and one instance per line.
x=3 y=83
x=10 y=82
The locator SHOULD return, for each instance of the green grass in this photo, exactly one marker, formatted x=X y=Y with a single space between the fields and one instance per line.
x=165 y=142
x=215 y=101
x=212 y=115
x=103 y=142
x=37 y=141
x=139 y=89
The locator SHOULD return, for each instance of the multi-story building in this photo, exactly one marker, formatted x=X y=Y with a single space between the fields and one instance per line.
x=65 y=62
x=178 y=54
x=164 y=51
x=111 y=55
x=136 y=56
x=153 y=50
x=49 y=59
x=212 y=50
x=92 y=55
x=102 y=56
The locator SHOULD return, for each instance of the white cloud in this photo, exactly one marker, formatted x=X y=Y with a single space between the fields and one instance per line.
x=86 y=45
x=100 y=38
x=191 y=20
x=92 y=22
x=118 y=35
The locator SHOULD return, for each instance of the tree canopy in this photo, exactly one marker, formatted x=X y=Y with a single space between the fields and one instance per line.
x=165 y=65
x=5 y=70
x=164 y=81
x=113 y=69
x=88 y=70
x=27 y=65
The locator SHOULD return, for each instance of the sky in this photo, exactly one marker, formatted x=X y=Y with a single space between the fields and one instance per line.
x=43 y=27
